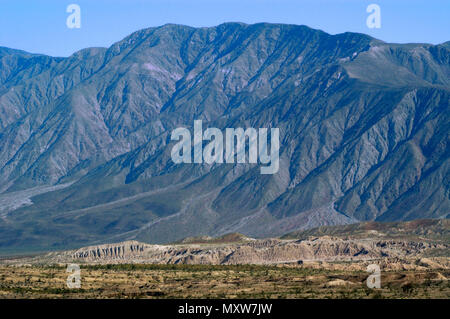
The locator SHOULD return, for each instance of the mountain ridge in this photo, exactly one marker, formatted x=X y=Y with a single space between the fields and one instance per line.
x=351 y=109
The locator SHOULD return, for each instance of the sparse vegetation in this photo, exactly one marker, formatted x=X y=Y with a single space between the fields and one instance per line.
x=216 y=281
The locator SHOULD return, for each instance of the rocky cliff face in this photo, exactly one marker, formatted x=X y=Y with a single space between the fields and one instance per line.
x=268 y=251
x=363 y=130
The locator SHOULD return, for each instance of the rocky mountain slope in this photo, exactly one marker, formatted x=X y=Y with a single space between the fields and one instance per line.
x=420 y=229
x=363 y=133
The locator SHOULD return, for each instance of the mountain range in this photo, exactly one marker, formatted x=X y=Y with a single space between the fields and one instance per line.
x=85 y=141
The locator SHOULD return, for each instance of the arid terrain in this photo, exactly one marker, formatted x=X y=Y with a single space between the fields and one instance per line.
x=224 y=281
x=326 y=262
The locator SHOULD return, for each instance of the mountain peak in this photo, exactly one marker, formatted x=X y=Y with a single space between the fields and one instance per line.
x=86 y=141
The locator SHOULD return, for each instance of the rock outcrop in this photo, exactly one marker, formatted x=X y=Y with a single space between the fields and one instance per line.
x=269 y=251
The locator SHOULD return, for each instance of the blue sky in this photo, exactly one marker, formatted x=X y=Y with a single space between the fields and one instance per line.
x=40 y=25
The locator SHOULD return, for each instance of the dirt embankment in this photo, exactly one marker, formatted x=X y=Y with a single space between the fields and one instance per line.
x=394 y=253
